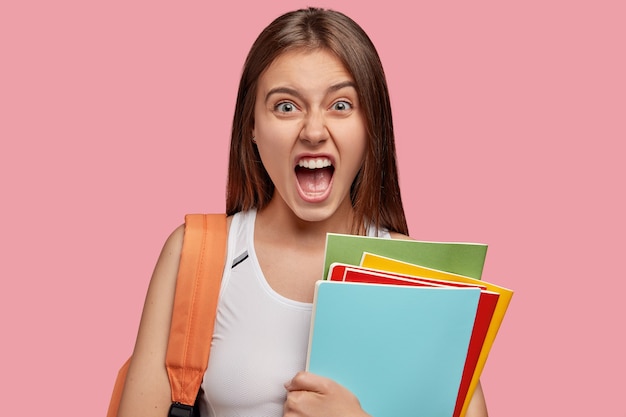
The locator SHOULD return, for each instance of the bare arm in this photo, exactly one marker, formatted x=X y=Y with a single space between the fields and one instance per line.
x=147 y=389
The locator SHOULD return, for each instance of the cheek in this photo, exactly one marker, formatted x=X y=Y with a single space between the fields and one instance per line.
x=264 y=138
x=272 y=154
x=359 y=151
x=265 y=152
x=354 y=144
x=276 y=138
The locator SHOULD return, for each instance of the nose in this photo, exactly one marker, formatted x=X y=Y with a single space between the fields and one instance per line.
x=314 y=129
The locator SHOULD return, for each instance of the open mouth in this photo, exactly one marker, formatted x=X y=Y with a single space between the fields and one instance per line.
x=314 y=175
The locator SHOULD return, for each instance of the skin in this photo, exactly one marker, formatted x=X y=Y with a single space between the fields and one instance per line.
x=306 y=106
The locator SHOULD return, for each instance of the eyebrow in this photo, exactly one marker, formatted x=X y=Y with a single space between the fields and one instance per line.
x=295 y=93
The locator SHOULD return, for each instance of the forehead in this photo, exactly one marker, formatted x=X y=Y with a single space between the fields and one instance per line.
x=307 y=69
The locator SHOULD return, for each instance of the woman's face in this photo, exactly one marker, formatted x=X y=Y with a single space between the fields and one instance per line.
x=310 y=132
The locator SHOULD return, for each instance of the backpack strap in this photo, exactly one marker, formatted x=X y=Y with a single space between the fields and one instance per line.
x=195 y=306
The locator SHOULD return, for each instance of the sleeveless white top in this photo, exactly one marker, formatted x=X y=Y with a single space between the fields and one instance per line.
x=260 y=338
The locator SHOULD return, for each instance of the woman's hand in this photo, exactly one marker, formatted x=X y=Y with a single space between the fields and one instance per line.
x=310 y=395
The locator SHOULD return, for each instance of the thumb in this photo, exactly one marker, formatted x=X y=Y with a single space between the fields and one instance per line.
x=305 y=381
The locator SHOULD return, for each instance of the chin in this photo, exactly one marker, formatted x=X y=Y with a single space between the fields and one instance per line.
x=316 y=214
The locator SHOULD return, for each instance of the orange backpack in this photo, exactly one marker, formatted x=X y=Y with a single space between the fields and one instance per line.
x=193 y=318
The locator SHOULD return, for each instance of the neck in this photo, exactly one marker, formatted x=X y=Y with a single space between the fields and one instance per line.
x=277 y=216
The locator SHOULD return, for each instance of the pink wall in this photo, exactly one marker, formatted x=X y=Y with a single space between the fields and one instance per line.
x=114 y=122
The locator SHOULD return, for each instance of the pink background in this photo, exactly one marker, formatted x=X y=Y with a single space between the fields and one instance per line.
x=510 y=116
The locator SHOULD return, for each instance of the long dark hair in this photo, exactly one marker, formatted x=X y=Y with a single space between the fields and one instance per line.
x=375 y=193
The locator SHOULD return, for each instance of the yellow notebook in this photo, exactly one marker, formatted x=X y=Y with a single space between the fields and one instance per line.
x=372 y=261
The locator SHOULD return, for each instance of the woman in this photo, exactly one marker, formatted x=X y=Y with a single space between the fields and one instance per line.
x=312 y=152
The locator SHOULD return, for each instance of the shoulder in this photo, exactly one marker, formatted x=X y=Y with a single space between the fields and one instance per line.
x=163 y=279
x=174 y=243
x=173 y=246
x=396 y=235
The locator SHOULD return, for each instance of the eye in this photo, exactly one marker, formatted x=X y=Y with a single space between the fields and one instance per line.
x=341 y=105
x=285 y=107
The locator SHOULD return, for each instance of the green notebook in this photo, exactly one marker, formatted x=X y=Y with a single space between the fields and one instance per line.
x=459 y=258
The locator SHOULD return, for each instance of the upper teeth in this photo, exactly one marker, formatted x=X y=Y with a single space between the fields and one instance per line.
x=313 y=163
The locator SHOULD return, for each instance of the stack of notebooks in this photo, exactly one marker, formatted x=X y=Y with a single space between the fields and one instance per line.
x=405 y=325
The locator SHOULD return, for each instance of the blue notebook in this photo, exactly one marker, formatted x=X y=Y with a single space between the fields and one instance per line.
x=401 y=350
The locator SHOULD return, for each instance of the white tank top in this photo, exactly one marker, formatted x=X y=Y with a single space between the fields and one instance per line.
x=260 y=337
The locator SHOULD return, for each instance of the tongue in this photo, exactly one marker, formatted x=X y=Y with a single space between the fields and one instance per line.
x=314 y=180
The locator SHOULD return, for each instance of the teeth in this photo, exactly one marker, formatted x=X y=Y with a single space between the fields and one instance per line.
x=313 y=163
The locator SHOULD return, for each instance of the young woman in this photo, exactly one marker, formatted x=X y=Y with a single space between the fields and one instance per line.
x=312 y=152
